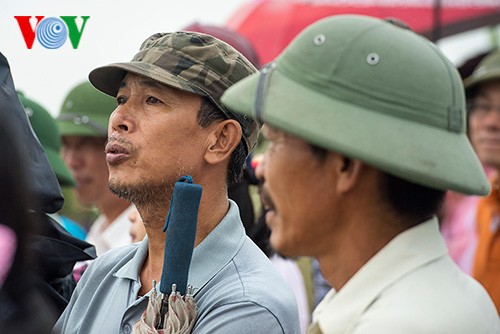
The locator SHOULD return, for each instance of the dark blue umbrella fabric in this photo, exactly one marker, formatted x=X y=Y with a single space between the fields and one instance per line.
x=172 y=309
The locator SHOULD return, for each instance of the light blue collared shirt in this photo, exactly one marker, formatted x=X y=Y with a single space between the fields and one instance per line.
x=237 y=289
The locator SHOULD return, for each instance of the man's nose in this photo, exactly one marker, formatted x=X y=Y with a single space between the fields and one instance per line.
x=72 y=158
x=492 y=118
x=121 y=119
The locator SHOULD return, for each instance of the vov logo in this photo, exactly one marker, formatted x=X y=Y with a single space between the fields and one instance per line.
x=51 y=32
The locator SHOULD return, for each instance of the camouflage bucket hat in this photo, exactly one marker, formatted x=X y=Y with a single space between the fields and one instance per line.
x=488 y=69
x=85 y=112
x=46 y=130
x=372 y=91
x=189 y=61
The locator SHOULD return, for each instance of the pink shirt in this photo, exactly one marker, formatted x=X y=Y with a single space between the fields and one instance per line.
x=459 y=230
x=8 y=246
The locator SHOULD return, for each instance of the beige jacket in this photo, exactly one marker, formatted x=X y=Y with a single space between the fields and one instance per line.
x=410 y=286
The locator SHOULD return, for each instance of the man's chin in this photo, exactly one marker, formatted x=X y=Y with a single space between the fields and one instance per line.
x=83 y=200
x=120 y=190
x=139 y=194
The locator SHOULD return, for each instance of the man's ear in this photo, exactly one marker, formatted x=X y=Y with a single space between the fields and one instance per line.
x=348 y=173
x=224 y=138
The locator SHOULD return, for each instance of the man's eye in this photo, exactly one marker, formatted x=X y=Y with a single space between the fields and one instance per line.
x=121 y=100
x=152 y=99
x=483 y=106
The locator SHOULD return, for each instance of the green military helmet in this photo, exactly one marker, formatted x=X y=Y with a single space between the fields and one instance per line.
x=487 y=70
x=85 y=112
x=370 y=90
x=46 y=130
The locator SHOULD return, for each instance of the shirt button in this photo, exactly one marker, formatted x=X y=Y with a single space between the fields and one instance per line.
x=126 y=329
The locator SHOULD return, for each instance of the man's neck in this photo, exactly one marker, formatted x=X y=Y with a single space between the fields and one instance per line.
x=367 y=237
x=212 y=210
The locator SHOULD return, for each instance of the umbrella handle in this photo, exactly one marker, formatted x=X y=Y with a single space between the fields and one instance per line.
x=180 y=226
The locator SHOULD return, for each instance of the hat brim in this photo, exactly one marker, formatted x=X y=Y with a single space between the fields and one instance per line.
x=107 y=78
x=416 y=152
x=62 y=172
x=474 y=80
x=69 y=128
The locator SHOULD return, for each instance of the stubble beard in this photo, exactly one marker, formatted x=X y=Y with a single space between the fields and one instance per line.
x=144 y=194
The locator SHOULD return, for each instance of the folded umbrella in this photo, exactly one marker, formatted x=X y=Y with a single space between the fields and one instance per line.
x=172 y=309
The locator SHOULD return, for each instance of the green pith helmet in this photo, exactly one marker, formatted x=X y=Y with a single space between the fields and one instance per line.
x=488 y=69
x=46 y=130
x=372 y=91
x=85 y=112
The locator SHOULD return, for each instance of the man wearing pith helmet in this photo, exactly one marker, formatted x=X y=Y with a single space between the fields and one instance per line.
x=46 y=131
x=483 y=95
x=366 y=123
x=170 y=123
x=83 y=124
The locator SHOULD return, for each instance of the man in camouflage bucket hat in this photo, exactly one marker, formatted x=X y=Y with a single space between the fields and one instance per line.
x=368 y=120
x=169 y=122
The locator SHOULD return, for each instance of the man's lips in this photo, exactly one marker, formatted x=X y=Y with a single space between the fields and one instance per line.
x=115 y=153
x=267 y=202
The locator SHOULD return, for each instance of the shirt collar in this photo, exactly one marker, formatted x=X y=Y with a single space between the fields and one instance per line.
x=410 y=249
x=132 y=268
x=217 y=249
x=209 y=257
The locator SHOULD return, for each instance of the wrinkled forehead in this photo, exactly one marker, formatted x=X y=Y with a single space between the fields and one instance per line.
x=132 y=80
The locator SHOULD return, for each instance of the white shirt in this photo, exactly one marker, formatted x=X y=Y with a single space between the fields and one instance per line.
x=410 y=286
x=107 y=236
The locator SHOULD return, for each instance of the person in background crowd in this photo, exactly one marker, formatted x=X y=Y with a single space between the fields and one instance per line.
x=83 y=124
x=46 y=130
x=170 y=123
x=458 y=214
x=370 y=162
x=137 y=229
x=483 y=95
